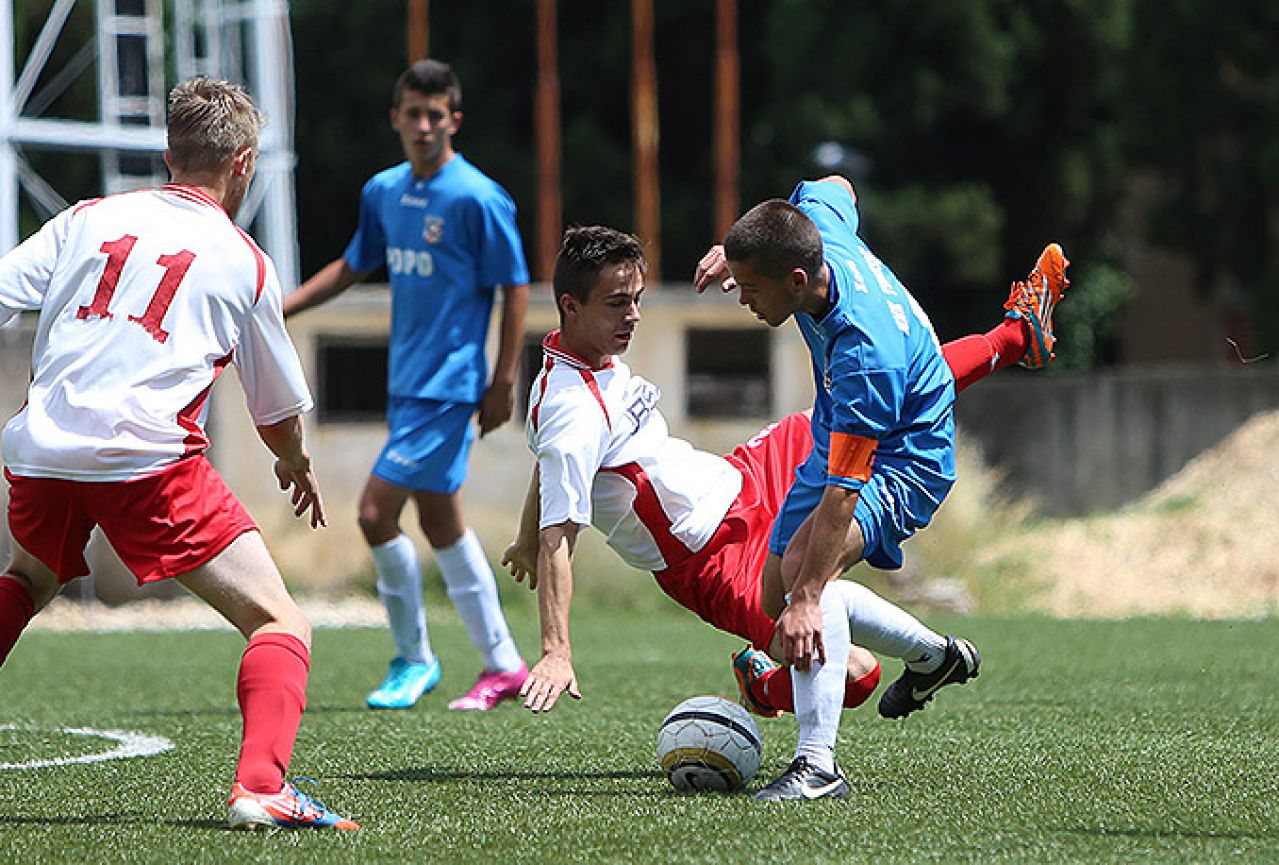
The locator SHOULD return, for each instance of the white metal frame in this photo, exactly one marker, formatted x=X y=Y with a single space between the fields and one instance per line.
x=245 y=41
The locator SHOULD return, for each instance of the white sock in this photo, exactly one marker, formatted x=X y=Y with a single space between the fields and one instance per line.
x=473 y=591
x=819 y=693
x=399 y=584
x=887 y=629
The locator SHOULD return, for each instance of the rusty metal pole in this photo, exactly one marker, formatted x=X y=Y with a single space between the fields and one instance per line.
x=546 y=106
x=644 y=135
x=417 y=22
x=727 y=118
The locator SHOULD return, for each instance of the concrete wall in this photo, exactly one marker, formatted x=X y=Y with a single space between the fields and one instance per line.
x=1082 y=443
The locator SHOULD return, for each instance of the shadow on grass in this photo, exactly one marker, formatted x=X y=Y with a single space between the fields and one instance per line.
x=126 y=819
x=1103 y=832
x=423 y=773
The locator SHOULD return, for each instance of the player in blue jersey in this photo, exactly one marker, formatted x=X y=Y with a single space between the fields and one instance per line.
x=448 y=237
x=883 y=453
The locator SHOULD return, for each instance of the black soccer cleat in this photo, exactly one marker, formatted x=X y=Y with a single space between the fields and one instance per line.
x=802 y=781
x=912 y=690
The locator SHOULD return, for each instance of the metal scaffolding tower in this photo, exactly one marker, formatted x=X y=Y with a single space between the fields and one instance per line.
x=244 y=41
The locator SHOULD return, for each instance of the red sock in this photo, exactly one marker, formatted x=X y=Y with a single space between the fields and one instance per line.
x=17 y=608
x=972 y=358
x=773 y=689
x=858 y=691
x=272 y=691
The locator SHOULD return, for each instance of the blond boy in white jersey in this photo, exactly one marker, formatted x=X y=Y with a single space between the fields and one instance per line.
x=144 y=298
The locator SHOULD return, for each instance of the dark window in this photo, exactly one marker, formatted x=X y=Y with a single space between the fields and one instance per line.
x=728 y=373
x=352 y=376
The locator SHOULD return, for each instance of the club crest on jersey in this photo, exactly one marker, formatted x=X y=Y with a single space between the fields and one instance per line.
x=433 y=230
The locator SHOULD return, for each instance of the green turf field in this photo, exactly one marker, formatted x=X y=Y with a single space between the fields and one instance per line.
x=1145 y=741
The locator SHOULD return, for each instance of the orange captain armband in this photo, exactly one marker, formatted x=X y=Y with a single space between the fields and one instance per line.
x=851 y=456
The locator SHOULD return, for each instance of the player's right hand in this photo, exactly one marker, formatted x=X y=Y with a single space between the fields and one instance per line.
x=549 y=678
x=800 y=629
x=713 y=268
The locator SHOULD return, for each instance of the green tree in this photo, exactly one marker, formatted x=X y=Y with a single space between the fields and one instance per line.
x=1201 y=112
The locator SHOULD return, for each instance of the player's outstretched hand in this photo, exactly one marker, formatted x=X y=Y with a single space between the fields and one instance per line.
x=496 y=407
x=800 y=629
x=713 y=268
x=521 y=562
x=306 y=490
x=549 y=678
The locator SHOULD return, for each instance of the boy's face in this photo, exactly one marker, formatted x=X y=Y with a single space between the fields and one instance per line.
x=426 y=126
x=772 y=299
x=604 y=325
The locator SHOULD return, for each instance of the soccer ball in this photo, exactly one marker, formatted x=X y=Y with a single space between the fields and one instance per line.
x=708 y=743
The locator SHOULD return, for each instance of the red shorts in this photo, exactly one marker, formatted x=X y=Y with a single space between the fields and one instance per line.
x=161 y=525
x=722 y=581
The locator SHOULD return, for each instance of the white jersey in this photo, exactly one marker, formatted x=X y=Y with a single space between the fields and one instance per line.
x=144 y=299
x=607 y=459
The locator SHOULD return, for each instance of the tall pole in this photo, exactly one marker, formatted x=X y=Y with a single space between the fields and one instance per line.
x=727 y=113
x=418 y=24
x=550 y=205
x=644 y=135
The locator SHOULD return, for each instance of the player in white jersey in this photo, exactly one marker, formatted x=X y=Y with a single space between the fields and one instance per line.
x=144 y=298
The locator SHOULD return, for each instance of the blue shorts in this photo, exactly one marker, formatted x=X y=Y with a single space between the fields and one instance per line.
x=428 y=445
x=891 y=507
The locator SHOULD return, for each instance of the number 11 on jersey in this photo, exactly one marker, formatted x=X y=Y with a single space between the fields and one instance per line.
x=175 y=269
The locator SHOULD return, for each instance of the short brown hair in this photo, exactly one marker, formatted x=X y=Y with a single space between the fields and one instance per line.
x=429 y=77
x=776 y=237
x=586 y=251
x=209 y=121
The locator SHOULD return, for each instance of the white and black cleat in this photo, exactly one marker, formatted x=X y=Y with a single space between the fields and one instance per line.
x=912 y=690
x=803 y=781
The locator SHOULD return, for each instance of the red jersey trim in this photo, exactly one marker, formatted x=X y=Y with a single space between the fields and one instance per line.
x=188 y=418
x=537 y=406
x=599 y=397
x=650 y=512
x=551 y=346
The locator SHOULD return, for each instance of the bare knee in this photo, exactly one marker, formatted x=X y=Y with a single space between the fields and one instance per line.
x=375 y=526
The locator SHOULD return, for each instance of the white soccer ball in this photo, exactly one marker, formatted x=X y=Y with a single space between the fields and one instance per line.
x=708 y=743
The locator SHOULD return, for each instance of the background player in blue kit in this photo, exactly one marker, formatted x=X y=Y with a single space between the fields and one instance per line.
x=448 y=238
x=883 y=447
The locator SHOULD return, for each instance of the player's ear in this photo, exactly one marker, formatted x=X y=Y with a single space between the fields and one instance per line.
x=456 y=117
x=242 y=161
x=568 y=305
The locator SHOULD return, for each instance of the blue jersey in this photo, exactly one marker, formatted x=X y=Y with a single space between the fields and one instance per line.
x=884 y=391
x=447 y=241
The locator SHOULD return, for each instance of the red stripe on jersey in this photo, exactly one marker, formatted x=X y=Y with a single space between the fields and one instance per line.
x=651 y=513
x=551 y=345
x=189 y=417
x=261 y=261
x=87 y=203
x=537 y=406
x=599 y=397
x=192 y=193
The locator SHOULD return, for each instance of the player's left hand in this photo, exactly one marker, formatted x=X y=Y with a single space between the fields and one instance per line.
x=496 y=407
x=800 y=629
x=306 y=490
x=521 y=562
x=549 y=678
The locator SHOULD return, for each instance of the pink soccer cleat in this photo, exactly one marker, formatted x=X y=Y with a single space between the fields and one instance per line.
x=490 y=689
